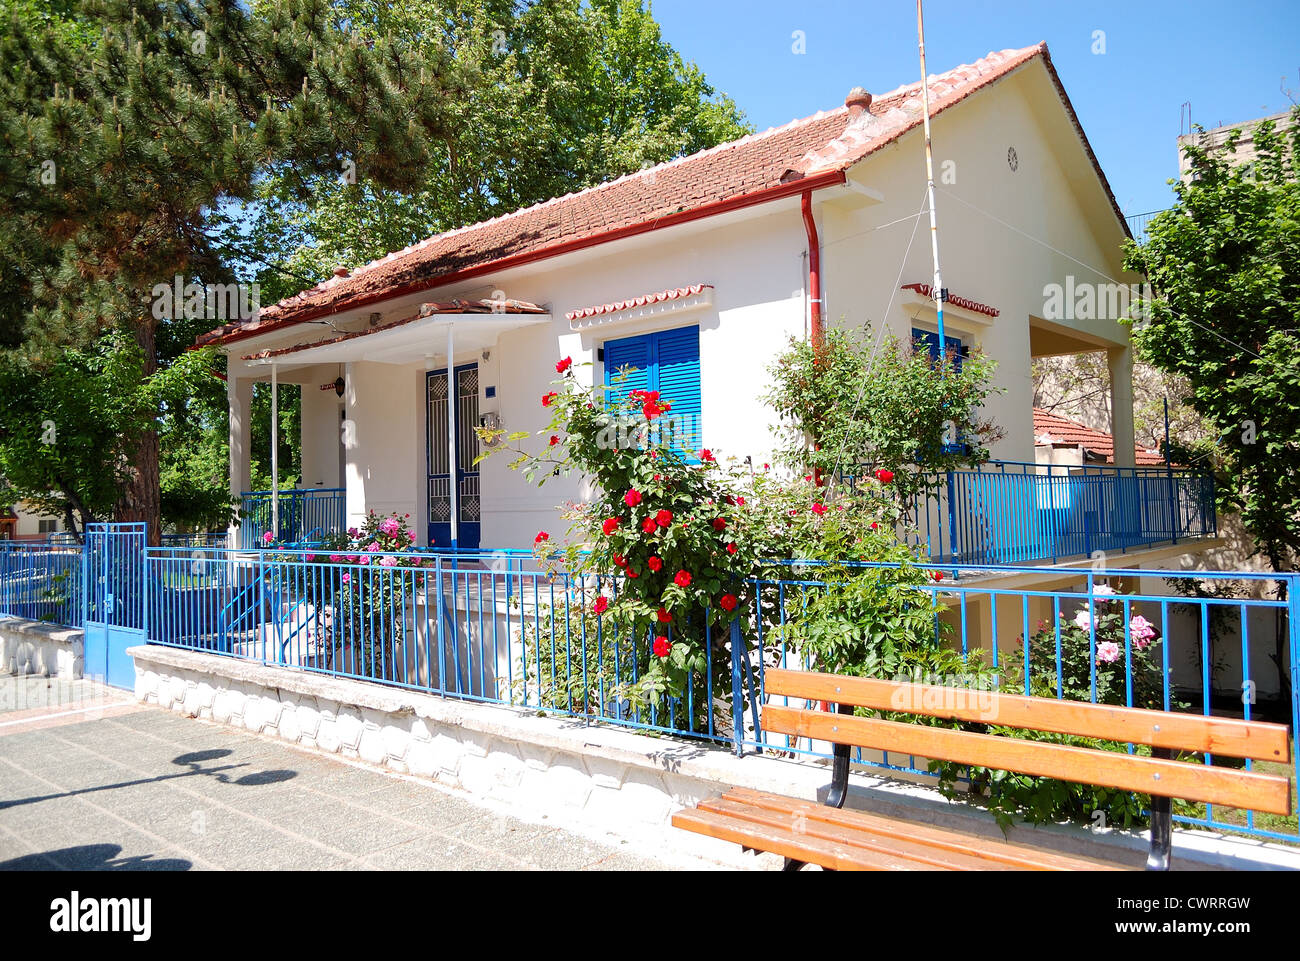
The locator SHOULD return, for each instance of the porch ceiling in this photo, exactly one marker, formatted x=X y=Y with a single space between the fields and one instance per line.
x=406 y=342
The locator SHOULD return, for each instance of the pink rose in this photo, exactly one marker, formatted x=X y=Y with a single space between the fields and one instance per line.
x=1107 y=652
x=388 y=561
x=1083 y=620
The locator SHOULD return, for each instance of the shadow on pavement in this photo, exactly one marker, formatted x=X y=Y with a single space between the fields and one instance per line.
x=93 y=857
x=193 y=761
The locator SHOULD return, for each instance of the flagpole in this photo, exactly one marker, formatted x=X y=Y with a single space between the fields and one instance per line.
x=940 y=295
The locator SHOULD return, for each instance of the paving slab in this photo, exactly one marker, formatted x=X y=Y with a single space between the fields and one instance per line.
x=91 y=781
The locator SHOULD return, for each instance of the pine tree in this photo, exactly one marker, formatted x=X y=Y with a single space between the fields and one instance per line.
x=124 y=145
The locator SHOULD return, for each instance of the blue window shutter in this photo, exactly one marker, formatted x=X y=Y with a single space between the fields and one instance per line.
x=668 y=362
x=956 y=352
x=632 y=353
x=678 y=369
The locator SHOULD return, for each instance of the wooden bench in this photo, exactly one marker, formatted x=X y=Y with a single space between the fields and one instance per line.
x=804 y=832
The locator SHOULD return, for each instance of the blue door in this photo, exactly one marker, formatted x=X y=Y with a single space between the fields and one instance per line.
x=117 y=601
x=460 y=474
x=669 y=362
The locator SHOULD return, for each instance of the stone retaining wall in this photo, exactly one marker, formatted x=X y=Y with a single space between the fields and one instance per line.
x=34 y=647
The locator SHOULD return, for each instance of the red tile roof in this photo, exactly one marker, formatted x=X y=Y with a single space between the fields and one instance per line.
x=674 y=293
x=1065 y=432
x=800 y=156
x=925 y=289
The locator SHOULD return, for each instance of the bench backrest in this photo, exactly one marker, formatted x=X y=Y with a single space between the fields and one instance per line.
x=1149 y=775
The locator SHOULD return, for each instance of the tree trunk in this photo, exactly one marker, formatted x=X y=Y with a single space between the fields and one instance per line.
x=142 y=498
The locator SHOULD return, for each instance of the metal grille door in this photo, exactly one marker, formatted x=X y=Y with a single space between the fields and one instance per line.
x=117 y=600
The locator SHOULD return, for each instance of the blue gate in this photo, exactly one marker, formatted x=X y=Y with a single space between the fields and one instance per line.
x=116 y=601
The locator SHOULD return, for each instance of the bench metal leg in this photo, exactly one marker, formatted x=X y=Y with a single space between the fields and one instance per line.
x=840 y=772
x=1162 y=825
x=1162 y=834
x=792 y=865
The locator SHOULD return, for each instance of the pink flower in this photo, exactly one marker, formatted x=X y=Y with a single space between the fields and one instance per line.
x=335 y=558
x=1103 y=590
x=388 y=560
x=309 y=557
x=1141 y=630
x=391 y=526
x=372 y=546
x=819 y=509
x=268 y=537
x=346 y=578
x=1107 y=652
x=1083 y=621
x=353 y=532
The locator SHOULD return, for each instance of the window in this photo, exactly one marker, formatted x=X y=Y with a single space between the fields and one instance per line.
x=48 y=527
x=669 y=362
x=956 y=350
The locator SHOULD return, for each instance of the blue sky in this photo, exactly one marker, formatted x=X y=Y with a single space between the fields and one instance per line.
x=1227 y=58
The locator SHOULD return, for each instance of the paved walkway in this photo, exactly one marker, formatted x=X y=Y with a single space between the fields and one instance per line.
x=91 y=780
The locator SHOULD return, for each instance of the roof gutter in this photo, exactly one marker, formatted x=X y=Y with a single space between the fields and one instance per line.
x=804 y=186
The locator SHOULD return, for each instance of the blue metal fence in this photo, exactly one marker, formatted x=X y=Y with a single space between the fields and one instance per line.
x=1005 y=512
x=42 y=582
x=304 y=515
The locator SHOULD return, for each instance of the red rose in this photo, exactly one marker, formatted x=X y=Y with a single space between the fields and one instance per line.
x=541 y=536
x=564 y=365
x=602 y=602
x=819 y=509
x=632 y=573
x=655 y=564
x=740 y=501
x=728 y=602
x=662 y=646
x=706 y=455
x=731 y=548
x=610 y=525
x=620 y=560
x=664 y=518
x=663 y=616
x=547 y=398
x=884 y=476
x=937 y=575
x=874 y=525
x=683 y=579
x=648 y=525
x=554 y=440
x=632 y=497
x=719 y=524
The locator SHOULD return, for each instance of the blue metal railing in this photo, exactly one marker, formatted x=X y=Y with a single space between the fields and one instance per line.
x=445 y=624
x=302 y=512
x=42 y=582
x=1006 y=512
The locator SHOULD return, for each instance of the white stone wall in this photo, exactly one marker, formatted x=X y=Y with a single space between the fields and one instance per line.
x=33 y=647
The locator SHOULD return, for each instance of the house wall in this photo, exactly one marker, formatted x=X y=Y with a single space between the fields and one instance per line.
x=757 y=264
x=321 y=436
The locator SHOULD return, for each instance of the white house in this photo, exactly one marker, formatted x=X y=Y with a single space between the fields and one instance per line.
x=699 y=271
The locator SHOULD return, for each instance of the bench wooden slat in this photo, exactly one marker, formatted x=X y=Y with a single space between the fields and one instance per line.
x=1188 y=732
x=800 y=847
x=798 y=822
x=1193 y=782
x=996 y=850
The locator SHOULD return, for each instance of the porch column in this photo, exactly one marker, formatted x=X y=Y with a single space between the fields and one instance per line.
x=275 y=452
x=454 y=498
x=1120 y=361
x=239 y=397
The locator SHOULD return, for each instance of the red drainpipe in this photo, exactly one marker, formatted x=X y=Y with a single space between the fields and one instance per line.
x=814 y=269
x=814 y=292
